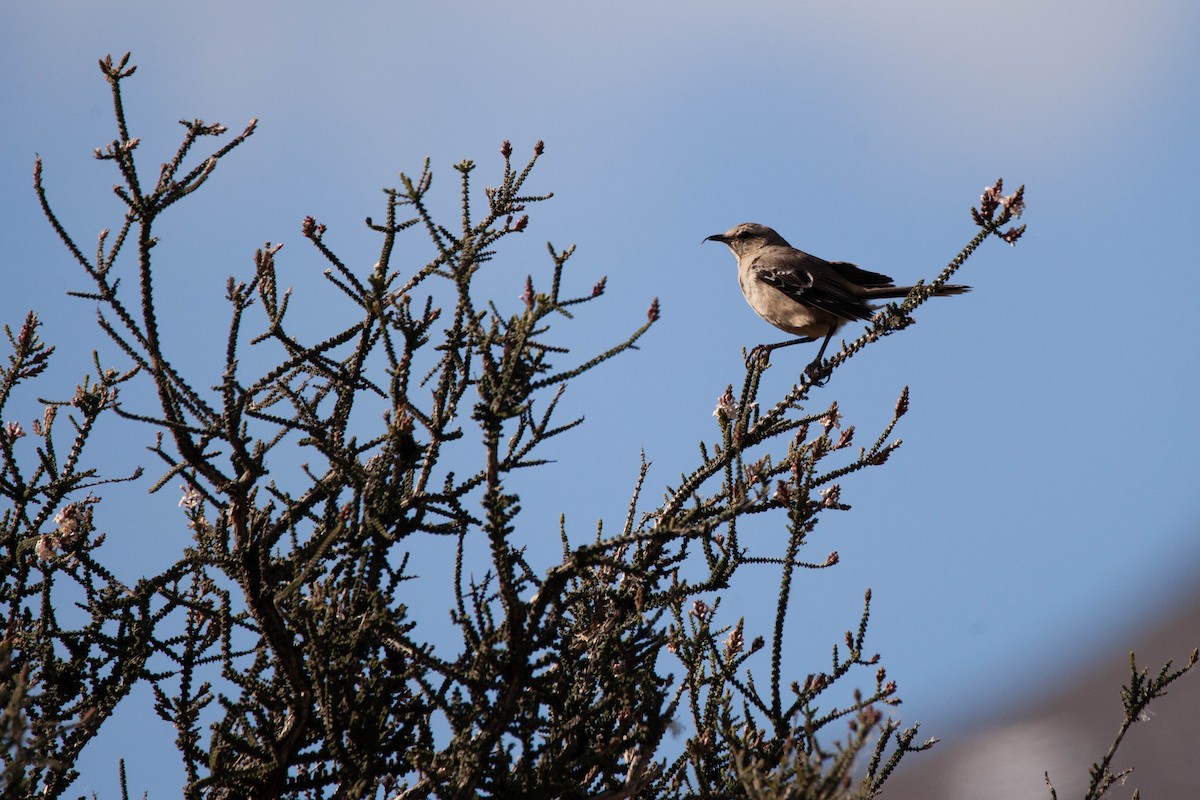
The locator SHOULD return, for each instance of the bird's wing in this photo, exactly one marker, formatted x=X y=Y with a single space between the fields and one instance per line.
x=860 y=276
x=813 y=282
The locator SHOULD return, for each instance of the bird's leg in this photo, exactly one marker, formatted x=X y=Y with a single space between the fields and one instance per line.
x=814 y=370
x=762 y=353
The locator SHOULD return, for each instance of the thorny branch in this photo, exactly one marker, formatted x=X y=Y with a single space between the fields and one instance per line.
x=280 y=646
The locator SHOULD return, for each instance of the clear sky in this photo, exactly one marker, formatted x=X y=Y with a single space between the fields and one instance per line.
x=1044 y=502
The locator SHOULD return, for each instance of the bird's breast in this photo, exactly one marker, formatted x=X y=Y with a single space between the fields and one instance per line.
x=782 y=311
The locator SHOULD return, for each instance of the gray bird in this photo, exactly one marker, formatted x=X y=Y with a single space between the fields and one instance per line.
x=802 y=294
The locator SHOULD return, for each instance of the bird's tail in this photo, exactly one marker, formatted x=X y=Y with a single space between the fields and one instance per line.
x=902 y=291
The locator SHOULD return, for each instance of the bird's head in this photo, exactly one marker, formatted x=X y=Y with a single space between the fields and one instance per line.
x=748 y=237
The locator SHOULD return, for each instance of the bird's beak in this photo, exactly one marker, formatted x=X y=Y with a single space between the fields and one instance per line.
x=717 y=237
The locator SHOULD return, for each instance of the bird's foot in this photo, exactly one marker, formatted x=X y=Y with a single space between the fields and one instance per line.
x=818 y=373
x=759 y=356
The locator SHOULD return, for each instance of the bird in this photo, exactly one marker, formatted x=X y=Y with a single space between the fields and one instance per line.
x=802 y=294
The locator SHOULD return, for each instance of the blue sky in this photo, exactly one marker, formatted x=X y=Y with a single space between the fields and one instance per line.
x=1044 y=502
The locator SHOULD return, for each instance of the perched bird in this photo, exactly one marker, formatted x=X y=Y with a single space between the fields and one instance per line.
x=802 y=294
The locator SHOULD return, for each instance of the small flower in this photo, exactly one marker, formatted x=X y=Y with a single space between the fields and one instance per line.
x=831 y=498
x=14 y=431
x=67 y=521
x=191 y=497
x=1014 y=204
x=832 y=418
x=201 y=525
x=882 y=456
x=736 y=640
x=527 y=297
x=28 y=335
x=652 y=313
x=902 y=404
x=1012 y=235
x=46 y=547
x=598 y=289
x=700 y=610
x=726 y=404
x=802 y=433
x=844 y=441
x=832 y=558
x=989 y=201
x=74 y=521
x=820 y=447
